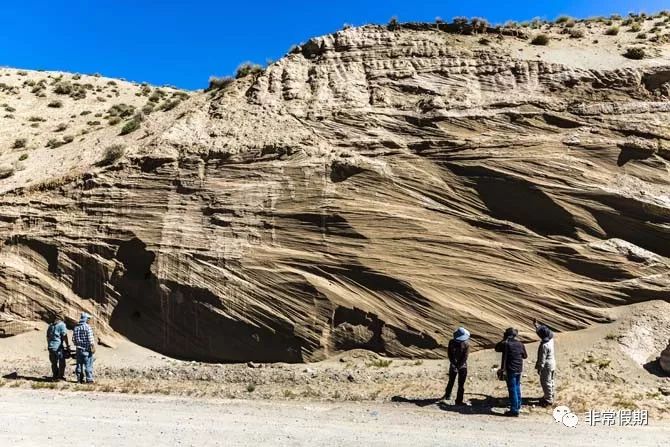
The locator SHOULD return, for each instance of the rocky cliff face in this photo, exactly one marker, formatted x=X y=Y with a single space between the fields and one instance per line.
x=373 y=189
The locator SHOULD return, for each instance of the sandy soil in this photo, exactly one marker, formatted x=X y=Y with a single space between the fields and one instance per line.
x=605 y=367
x=31 y=418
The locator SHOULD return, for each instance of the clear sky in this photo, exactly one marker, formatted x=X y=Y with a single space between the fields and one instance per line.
x=182 y=43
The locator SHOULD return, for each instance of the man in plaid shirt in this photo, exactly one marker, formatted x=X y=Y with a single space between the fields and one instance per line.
x=84 y=341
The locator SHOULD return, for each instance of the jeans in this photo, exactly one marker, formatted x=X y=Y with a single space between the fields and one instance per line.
x=84 y=368
x=514 y=389
x=462 y=375
x=57 y=359
x=547 y=382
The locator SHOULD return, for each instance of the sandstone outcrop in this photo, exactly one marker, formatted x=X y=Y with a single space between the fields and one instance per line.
x=373 y=189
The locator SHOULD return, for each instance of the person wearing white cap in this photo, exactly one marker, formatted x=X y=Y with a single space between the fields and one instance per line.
x=84 y=341
x=458 y=351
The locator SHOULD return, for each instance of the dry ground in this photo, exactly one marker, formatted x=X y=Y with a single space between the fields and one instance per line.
x=29 y=418
x=610 y=366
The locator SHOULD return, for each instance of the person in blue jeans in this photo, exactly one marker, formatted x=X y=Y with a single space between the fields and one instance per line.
x=84 y=341
x=513 y=355
x=57 y=342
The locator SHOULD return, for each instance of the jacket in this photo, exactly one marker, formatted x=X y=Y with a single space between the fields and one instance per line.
x=546 y=358
x=513 y=354
x=458 y=352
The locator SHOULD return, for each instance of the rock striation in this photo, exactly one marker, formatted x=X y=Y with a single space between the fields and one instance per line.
x=373 y=189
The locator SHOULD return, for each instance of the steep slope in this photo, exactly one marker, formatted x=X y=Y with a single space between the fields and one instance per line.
x=373 y=189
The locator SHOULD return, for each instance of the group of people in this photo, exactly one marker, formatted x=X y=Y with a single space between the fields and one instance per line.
x=513 y=355
x=59 y=348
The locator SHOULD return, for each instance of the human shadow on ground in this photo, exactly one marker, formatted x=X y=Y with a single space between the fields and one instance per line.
x=15 y=376
x=479 y=404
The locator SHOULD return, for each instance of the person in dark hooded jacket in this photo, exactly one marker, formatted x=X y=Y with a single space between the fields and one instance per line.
x=513 y=354
x=458 y=351
x=546 y=362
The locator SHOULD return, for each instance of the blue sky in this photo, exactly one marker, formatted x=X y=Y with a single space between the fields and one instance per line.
x=182 y=43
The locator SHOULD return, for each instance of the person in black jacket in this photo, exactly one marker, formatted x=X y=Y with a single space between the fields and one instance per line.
x=458 y=351
x=513 y=354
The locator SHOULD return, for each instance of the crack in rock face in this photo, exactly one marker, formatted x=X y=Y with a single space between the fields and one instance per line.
x=375 y=190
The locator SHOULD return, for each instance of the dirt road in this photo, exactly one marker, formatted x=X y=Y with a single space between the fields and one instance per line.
x=37 y=418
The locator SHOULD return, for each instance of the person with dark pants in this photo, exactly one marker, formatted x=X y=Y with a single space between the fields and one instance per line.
x=57 y=342
x=513 y=354
x=458 y=351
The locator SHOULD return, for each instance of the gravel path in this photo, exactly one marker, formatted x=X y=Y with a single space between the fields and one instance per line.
x=32 y=418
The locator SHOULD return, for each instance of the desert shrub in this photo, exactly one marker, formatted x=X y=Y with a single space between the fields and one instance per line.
x=36 y=119
x=147 y=108
x=641 y=36
x=155 y=96
x=56 y=104
x=113 y=121
x=19 y=143
x=76 y=77
x=62 y=88
x=563 y=19
x=22 y=73
x=132 y=125
x=68 y=139
x=612 y=31
x=10 y=109
x=169 y=105
x=576 y=33
x=112 y=154
x=61 y=127
x=85 y=112
x=540 y=39
x=635 y=53
x=216 y=82
x=479 y=24
x=121 y=110
x=23 y=157
x=6 y=171
x=247 y=69
x=484 y=41
x=53 y=143
x=393 y=24
x=635 y=27
x=569 y=24
x=93 y=123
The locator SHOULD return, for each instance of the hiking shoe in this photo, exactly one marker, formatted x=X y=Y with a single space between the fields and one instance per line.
x=511 y=414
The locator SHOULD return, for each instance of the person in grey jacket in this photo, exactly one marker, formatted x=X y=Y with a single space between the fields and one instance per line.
x=546 y=362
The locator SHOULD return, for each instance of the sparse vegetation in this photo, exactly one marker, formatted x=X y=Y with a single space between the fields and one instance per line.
x=635 y=27
x=112 y=154
x=247 y=69
x=63 y=88
x=56 y=104
x=6 y=171
x=216 y=83
x=563 y=19
x=635 y=53
x=23 y=157
x=132 y=125
x=251 y=388
x=612 y=31
x=19 y=143
x=393 y=24
x=380 y=363
x=61 y=127
x=540 y=39
x=576 y=33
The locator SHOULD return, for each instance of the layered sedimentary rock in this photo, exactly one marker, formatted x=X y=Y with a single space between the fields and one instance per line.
x=373 y=189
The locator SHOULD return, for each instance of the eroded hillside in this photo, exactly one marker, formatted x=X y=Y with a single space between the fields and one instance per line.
x=373 y=189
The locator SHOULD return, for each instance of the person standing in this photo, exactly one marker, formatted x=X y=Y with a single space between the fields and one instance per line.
x=84 y=341
x=458 y=351
x=513 y=354
x=57 y=342
x=546 y=362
